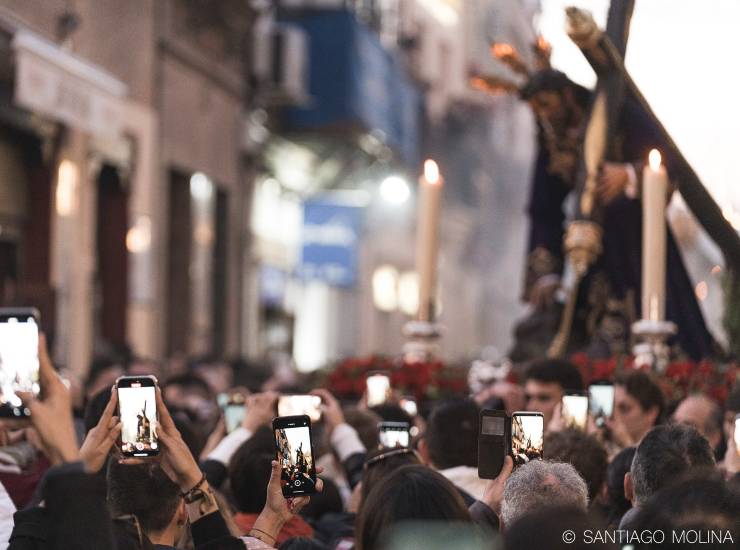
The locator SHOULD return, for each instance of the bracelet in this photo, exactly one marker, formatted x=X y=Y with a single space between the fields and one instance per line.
x=274 y=539
x=197 y=486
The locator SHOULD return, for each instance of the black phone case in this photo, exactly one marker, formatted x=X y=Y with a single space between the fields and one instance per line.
x=492 y=449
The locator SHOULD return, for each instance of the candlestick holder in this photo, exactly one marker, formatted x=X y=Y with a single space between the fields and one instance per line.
x=652 y=347
x=422 y=341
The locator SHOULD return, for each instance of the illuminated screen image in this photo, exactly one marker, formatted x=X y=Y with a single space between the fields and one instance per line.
x=298 y=405
x=575 y=411
x=296 y=460
x=527 y=434
x=378 y=389
x=394 y=437
x=138 y=409
x=601 y=401
x=19 y=361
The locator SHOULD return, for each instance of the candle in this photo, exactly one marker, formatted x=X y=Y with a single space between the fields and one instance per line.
x=427 y=235
x=654 y=193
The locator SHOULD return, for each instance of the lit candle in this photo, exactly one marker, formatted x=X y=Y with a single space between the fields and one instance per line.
x=654 y=193
x=427 y=236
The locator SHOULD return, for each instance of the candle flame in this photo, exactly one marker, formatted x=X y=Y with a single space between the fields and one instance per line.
x=431 y=171
x=542 y=44
x=502 y=50
x=655 y=159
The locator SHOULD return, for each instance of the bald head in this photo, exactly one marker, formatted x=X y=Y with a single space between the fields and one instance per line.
x=702 y=413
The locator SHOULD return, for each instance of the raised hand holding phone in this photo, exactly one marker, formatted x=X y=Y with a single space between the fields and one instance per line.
x=99 y=440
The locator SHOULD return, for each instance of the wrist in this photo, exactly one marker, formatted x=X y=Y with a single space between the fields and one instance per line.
x=270 y=523
x=191 y=480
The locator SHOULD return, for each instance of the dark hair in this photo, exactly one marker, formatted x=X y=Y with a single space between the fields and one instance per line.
x=189 y=381
x=558 y=371
x=328 y=501
x=95 y=407
x=411 y=492
x=249 y=471
x=378 y=468
x=664 y=455
x=365 y=423
x=101 y=364
x=703 y=504
x=302 y=543
x=144 y=491
x=392 y=413
x=545 y=527
x=584 y=452
x=644 y=388
x=618 y=504
x=733 y=400
x=452 y=434
x=550 y=80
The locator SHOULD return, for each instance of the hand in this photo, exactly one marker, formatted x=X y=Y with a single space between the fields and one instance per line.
x=176 y=459
x=331 y=410
x=218 y=433
x=279 y=510
x=731 y=462
x=494 y=493
x=557 y=422
x=51 y=416
x=101 y=438
x=613 y=180
x=259 y=410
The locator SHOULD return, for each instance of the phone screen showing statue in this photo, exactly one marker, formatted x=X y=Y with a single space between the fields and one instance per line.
x=138 y=407
x=527 y=434
x=297 y=476
x=601 y=399
x=19 y=363
x=575 y=411
x=394 y=435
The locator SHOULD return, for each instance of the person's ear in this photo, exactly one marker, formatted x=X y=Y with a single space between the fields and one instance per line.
x=652 y=414
x=423 y=449
x=629 y=490
x=182 y=513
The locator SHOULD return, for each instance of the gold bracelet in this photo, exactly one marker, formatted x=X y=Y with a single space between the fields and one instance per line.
x=274 y=539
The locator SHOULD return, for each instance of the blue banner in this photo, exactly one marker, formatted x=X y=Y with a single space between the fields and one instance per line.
x=330 y=242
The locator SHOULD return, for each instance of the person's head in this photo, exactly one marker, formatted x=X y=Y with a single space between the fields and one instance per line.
x=145 y=492
x=584 y=452
x=102 y=374
x=95 y=407
x=541 y=484
x=381 y=462
x=546 y=527
x=698 y=504
x=617 y=502
x=638 y=403
x=553 y=96
x=702 y=413
x=217 y=373
x=190 y=393
x=664 y=455
x=546 y=381
x=249 y=471
x=410 y=493
x=451 y=436
x=365 y=423
x=732 y=409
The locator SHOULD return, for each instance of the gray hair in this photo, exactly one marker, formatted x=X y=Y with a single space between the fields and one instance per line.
x=541 y=484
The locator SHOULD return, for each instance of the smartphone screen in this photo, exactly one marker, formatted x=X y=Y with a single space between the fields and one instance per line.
x=378 y=389
x=527 y=437
x=232 y=407
x=296 y=405
x=19 y=359
x=601 y=400
x=137 y=406
x=574 y=411
x=737 y=433
x=394 y=434
x=295 y=455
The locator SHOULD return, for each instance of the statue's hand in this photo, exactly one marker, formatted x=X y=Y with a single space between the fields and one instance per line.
x=613 y=180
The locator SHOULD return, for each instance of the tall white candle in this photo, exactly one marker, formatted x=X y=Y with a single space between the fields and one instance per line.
x=427 y=238
x=654 y=193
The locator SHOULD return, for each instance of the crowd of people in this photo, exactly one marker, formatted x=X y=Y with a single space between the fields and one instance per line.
x=656 y=474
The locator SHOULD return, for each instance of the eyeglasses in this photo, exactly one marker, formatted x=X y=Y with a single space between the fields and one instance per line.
x=393 y=452
x=132 y=520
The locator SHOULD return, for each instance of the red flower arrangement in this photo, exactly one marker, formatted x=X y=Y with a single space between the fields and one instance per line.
x=423 y=380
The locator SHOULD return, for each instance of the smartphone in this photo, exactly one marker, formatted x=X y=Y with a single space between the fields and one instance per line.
x=137 y=409
x=295 y=455
x=601 y=402
x=737 y=433
x=297 y=405
x=394 y=434
x=232 y=407
x=408 y=404
x=574 y=410
x=378 y=389
x=492 y=443
x=19 y=359
x=527 y=437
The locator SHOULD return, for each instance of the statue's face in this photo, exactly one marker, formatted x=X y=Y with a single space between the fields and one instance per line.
x=547 y=105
